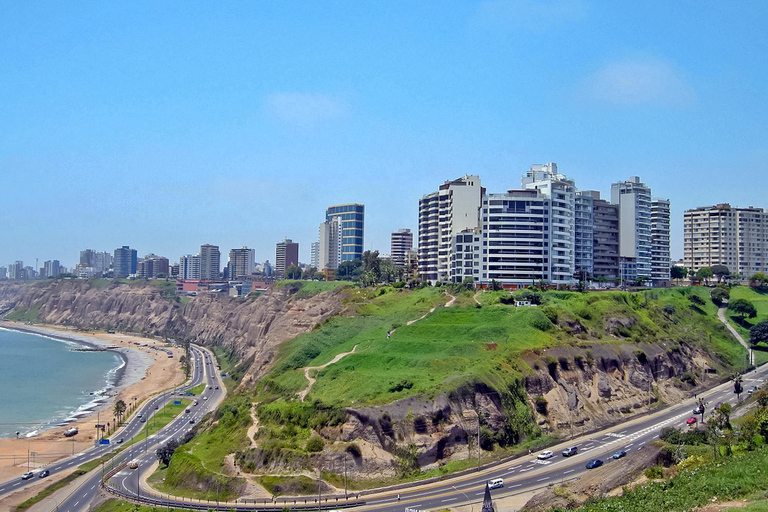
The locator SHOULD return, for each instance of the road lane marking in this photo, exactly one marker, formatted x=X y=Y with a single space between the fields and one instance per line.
x=542 y=479
x=449 y=499
x=569 y=471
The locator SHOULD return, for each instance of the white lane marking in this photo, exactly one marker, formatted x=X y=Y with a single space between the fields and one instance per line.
x=449 y=499
x=57 y=467
x=17 y=483
x=542 y=479
x=569 y=471
x=513 y=486
x=78 y=501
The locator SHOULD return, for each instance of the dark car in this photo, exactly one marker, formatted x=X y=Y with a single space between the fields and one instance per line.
x=192 y=422
x=119 y=441
x=594 y=463
x=44 y=473
x=619 y=454
x=699 y=409
x=573 y=450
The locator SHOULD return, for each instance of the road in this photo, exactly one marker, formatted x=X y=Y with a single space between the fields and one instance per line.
x=81 y=497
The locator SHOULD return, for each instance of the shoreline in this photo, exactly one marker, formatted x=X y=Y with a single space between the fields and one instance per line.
x=147 y=369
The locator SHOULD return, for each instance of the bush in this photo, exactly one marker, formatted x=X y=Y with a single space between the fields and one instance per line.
x=315 y=444
x=654 y=473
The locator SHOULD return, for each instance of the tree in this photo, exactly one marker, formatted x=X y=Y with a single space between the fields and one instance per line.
x=119 y=410
x=309 y=273
x=678 y=273
x=349 y=270
x=721 y=272
x=293 y=272
x=390 y=272
x=743 y=308
x=759 y=333
x=165 y=452
x=719 y=295
x=372 y=263
x=704 y=273
x=759 y=279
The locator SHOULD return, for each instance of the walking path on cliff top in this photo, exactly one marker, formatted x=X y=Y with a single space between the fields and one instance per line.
x=721 y=316
x=311 y=380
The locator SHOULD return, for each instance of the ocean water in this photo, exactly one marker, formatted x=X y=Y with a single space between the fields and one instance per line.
x=44 y=382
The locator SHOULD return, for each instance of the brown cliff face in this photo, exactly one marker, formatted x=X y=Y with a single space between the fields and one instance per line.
x=249 y=327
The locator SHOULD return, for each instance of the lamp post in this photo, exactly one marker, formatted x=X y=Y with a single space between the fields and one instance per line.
x=471 y=506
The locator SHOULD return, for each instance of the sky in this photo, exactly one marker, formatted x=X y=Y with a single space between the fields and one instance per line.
x=167 y=125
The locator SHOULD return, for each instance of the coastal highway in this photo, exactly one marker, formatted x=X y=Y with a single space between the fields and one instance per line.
x=522 y=474
x=201 y=372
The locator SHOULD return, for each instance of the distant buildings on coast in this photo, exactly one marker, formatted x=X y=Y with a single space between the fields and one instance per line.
x=545 y=230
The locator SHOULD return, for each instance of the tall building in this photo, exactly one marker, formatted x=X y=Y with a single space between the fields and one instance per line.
x=351 y=218
x=329 y=245
x=584 y=234
x=125 y=261
x=314 y=259
x=634 y=200
x=16 y=270
x=401 y=241
x=210 y=262
x=152 y=266
x=605 y=251
x=660 y=259
x=189 y=267
x=51 y=268
x=3 y=272
x=725 y=235
x=286 y=254
x=241 y=262
x=443 y=215
x=87 y=257
x=562 y=194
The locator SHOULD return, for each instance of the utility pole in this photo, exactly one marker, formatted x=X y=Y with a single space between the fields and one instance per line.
x=478 y=443
x=345 y=475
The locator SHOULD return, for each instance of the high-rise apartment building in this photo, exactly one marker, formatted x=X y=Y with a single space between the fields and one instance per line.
x=124 y=261
x=152 y=266
x=660 y=258
x=443 y=215
x=605 y=251
x=725 y=235
x=314 y=258
x=51 y=268
x=634 y=200
x=584 y=234
x=241 y=262
x=351 y=220
x=210 y=262
x=286 y=254
x=189 y=266
x=329 y=245
x=401 y=241
x=16 y=270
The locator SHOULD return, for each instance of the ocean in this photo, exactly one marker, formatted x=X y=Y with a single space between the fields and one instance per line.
x=44 y=382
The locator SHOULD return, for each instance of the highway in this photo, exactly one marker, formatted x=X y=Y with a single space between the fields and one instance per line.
x=81 y=497
x=522 y=474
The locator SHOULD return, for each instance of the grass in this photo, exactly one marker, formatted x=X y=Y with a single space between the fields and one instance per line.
x=158 y=421
x=307 y=289
x=22 y=314
x=114 y=505
x=759 y=300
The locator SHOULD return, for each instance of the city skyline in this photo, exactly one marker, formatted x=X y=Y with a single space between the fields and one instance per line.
x=163 y=128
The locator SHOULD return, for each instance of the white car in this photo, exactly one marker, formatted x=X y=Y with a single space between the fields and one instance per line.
x=546 y=454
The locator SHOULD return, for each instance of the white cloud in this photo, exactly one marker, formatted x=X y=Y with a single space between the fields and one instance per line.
x=530 y=14
x=304 y=109
x=638 y=82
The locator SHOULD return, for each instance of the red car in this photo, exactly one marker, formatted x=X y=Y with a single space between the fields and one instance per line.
x=691 y=420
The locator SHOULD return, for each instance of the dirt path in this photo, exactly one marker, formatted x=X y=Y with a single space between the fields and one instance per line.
x=255 y=426
x=721 y=316
x=311 y=380
x=422 y=317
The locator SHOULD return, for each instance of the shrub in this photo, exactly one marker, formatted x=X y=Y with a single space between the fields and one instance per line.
x=315 y=444
x=654 y=473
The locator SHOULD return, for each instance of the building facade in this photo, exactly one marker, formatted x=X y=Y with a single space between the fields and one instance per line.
x=634 y=200
x=125 y=261
x=401 y=241
x=584 y=235
x=189 y=267
x=444 y=214
x=210 y=262
x=241 y=262
x=329 y=245
x=605 y=251
x=725 y=235
x=286 y=254
x=660 y=257
x=351 y=219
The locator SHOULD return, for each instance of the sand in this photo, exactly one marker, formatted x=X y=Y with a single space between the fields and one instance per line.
x=146 y=373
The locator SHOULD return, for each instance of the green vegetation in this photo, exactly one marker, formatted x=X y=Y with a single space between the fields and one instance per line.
x=22 y=314
x=114 y=505
x=307 y=289
x=157 y=422
x=197 y=389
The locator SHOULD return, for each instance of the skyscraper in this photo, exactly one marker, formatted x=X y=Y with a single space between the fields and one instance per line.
x=660 y=259
x=329 y=244
x=286 y=254
x=125 y=261
x=210 y=262
x=401 y=241
x=189 y=266
x=241 y=262
x=351 y=219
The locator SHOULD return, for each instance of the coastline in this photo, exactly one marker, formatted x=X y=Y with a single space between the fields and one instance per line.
x=147 y=368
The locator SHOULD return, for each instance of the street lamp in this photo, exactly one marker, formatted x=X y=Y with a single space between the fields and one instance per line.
x=471 y=506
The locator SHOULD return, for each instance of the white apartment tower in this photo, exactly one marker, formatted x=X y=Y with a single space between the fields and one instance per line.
x=189 y=266
x=634 y=200
x=725 y=235
x=562 y=226
x=660 y=259
x=401 y=241
x=442 y=215
x=329 y=244
x=210 y=262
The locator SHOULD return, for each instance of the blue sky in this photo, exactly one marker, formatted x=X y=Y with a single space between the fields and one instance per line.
x=167 y=125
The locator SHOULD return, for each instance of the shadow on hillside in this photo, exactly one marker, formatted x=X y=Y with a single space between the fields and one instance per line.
x=744 y=322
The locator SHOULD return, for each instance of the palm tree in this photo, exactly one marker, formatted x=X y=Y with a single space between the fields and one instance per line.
x=119 y=410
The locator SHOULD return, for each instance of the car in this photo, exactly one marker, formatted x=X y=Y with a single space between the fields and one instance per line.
x=495 y=483
x=44 y=473
x=192 y=421
x=692 y=420
x=546 y=454
x=594 y=463
x=573 y=450
x=143 y=420
x=209 y=387
x=619 y=454
x=139 y=415
x=205 y=398
x=27 y=475
x=699 y=409
x=119 y=441
x=156 y=407
x=133 y=464
x=187 y=411
x=217 y=387
x=752 y=390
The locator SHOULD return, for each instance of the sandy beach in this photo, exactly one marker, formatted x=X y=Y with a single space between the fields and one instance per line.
x=147 y=371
